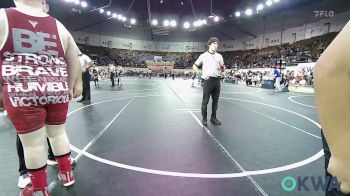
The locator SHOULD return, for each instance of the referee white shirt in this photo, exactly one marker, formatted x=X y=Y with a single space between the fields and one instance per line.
x=84 y=60
x=111 y=68
x=210 y=64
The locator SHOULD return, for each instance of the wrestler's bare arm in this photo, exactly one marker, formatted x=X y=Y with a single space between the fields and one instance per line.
x=1 y=103
x=74 y=69
x=3 y=37
x=3 y=27
x=332 y=89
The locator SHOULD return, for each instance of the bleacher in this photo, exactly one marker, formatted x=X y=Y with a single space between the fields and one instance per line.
x=299 y=52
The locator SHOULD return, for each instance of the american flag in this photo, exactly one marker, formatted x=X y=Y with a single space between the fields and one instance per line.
x=160 y=31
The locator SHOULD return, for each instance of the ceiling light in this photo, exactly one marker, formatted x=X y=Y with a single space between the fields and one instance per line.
x=173 y=23
x=166 y=23
x=216 y=19
x=268 y=2
x=187 y=25
x=249 y=12
x=154 y=22
x=84 y=4
x=260 y=7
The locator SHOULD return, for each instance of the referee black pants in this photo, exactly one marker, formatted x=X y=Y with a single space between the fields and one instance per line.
x=86 y=86
x=211 y=87
x=112 y=79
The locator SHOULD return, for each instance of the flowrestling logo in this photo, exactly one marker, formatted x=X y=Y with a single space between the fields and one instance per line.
x=323 y=13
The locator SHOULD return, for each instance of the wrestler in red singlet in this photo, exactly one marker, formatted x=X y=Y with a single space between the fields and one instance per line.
x=34 y=72
x=38 y=68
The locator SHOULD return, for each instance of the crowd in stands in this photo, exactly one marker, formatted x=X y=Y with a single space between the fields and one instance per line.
x=300 y=52
x=251 y=78
x=303 y=51
x=131 y=58
x=291 y=54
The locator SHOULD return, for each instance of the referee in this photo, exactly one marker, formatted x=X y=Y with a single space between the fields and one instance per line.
x=112 y=73
x=211 y=64
x=86 y=64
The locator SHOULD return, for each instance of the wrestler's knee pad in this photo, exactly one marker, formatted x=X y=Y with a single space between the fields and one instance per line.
x=58 y=139
x=34 y=149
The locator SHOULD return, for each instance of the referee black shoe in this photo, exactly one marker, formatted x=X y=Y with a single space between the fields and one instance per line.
x=204 y=122
x=215 y=121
